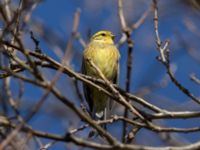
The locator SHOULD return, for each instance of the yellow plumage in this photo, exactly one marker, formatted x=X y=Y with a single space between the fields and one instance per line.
x=103 y=53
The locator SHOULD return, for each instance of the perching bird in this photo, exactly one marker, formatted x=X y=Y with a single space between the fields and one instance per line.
x=104 y=54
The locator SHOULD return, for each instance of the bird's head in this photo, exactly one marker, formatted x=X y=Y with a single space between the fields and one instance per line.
x=103 y=37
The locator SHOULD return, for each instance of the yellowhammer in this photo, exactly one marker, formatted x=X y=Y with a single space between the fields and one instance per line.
x=103 y=53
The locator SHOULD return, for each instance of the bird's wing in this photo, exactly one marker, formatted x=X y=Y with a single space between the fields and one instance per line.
x=116 y=78
x=86 y=89
x=115 y=81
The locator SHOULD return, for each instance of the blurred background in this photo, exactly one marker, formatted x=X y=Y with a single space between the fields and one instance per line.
x=52 y=24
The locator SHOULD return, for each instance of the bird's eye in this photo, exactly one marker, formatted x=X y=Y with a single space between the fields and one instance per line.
x=103 y=34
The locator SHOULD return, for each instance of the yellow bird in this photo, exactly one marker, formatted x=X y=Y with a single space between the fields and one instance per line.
x=104 y=54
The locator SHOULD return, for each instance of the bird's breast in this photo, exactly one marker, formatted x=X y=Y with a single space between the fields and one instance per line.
x=105 y=58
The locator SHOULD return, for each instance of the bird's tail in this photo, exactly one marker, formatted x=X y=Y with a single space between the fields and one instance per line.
x=102 y=115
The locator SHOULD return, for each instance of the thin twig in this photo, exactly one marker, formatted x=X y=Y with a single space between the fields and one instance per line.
x=127 y=32
x=164 y=57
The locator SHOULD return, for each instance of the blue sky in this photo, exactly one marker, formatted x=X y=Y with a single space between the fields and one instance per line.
x=102 y=14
